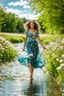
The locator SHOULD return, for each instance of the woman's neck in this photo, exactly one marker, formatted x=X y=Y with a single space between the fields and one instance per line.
x=32 y=29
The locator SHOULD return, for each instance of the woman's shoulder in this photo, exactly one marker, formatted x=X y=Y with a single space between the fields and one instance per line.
x=36 y=33
x=26 y=32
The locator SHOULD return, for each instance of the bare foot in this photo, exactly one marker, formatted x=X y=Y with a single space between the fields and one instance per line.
x=31 y=78
x=31 y=83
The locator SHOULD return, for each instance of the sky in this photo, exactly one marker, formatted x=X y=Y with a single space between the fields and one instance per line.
x=20 y=8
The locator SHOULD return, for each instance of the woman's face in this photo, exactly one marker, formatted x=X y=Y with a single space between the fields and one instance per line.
x=31 y=25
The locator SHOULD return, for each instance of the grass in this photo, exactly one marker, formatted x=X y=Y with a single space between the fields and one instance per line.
x=51 y=38
x=13 y=39
x=18 y=39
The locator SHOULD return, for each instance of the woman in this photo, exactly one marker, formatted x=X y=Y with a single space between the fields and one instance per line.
x=32 y=35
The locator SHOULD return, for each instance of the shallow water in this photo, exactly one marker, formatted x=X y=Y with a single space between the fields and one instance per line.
x=15 y=81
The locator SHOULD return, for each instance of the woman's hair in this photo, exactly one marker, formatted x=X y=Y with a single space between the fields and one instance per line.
x=36 y=25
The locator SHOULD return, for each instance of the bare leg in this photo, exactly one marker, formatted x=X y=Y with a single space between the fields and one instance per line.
x=31 y=68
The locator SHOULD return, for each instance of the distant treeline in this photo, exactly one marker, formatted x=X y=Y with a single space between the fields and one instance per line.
x=51 y=18
x=10 y=22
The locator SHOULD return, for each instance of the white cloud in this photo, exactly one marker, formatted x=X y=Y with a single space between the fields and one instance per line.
x=29 y=16
x=26 y=6
x=15 y=11
x=25 y=10
x=21 y=14
x=20 y=3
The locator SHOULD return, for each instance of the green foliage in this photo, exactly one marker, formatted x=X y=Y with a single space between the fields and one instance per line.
x=50 y=38
x=7 y=51
x=42 y=25
x=54 y=56
x=10 y=23
x=16 y=39
x=1 y=18
x=52 y=14
x=13 y=39
x=19 y=25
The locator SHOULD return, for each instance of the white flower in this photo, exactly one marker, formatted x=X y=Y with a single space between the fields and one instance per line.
x=57 y=40
x=59 y=68
x=62 y=55
x=52 y=43
x=54 y=48
x=61 y=61
x=63 y=41
x=53 y=54
x=2 y=39
x=57 y=59
x=61 y=47
x=0 y=45
x=62 y=65
x=2 y=48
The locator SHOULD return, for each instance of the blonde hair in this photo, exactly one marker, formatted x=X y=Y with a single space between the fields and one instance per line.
x=27 y=25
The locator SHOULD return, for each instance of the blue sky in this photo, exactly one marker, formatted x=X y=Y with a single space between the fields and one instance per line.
x=20 y=8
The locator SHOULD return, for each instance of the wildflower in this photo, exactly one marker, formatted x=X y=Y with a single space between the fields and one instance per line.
x=62 y=55
x=59 y=68
x=57 y=59
x=62 y=65
x=53 y=54
x=61 y=47
x=63 y=41
x=61 y=61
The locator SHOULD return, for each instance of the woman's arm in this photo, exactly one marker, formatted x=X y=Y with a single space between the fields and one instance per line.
x=25 y=42
x=38 y=37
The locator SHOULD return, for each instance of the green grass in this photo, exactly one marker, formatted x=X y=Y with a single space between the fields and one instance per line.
x=13 y=39
x=50 y=38
x=17 y=39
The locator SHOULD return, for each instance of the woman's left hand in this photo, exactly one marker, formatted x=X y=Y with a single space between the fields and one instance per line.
x=44 y=47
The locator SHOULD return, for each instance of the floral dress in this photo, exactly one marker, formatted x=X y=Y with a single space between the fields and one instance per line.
x=32 y=55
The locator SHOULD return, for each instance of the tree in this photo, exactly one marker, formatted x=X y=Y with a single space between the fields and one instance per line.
x=2 y=13
x=52 y=13
x=10 y=23
x=19 y=26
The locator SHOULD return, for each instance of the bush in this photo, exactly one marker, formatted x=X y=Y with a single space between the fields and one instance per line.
x=7 y=51
x=50 y=38
x=54 y=56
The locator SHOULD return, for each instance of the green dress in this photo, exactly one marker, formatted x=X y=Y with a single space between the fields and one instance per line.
x=32 y=55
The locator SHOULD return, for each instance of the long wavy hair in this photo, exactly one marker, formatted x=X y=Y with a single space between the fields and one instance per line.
x=36 y=25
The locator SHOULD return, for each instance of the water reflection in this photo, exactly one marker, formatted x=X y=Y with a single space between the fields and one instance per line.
x=35 y=89
x=38 y=87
